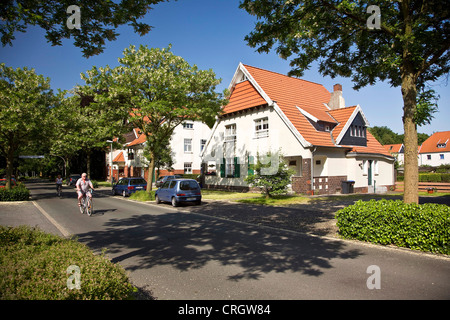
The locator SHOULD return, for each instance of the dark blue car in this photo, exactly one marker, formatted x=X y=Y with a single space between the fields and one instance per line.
x=127 y=186
x=177 y=191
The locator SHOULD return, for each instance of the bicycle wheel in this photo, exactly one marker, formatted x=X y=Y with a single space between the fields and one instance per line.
x=90 y=207
x=82 y=207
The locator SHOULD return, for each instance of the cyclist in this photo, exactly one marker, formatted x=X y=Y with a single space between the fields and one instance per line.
x=59 y=182
x=83 y=185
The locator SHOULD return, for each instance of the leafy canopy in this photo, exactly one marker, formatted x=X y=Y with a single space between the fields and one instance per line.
x=99 y=20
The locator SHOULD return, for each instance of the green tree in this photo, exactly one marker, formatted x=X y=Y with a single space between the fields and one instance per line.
x=270 y=174
x=158 y=90
x=99 y=20
x=408 y=45
x=25 y=101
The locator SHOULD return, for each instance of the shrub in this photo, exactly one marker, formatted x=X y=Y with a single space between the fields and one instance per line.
x=143 y=195
x=18 y=193
x=33 y=265
x=423 y=227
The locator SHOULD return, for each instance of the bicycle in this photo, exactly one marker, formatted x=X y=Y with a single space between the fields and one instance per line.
x=87 y=207
x=59 y=189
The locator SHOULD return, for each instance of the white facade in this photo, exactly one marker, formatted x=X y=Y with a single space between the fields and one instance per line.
x=434 y=159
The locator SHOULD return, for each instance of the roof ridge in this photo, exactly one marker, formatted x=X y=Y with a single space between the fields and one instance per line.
x=284 y=75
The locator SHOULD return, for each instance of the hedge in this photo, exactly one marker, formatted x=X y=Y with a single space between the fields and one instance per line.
x=19 y=193
x=33 y=265
x=430 y=177
x=424 y=227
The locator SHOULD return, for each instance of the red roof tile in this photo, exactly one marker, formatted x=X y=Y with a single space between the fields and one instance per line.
x=119 y=158
x=431 y=144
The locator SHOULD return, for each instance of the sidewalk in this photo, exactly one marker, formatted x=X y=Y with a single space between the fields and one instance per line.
x=19 y=213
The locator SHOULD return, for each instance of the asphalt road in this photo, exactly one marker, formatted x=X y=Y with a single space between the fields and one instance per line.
x=173 y=254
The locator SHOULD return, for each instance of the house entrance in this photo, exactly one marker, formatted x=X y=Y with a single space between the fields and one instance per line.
x=369 y=173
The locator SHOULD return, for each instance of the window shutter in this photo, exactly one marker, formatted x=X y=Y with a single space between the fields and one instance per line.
x=222 y=168
x=251 y=170
x=237 y=168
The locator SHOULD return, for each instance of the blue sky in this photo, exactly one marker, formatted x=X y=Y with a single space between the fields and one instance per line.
x=210 y=34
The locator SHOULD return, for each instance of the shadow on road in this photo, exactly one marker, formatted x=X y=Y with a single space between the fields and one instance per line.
x=191 y=241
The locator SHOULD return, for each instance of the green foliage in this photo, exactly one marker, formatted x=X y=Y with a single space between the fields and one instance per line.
x=143 y=195
x=19 y=193
x=33 y=266
x=271 y=174
x=99 y=19
x=423 y=227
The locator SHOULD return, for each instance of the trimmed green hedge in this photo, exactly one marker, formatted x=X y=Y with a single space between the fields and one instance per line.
x=33 y=265
x=430 y=177
x=423 y=227
x=19 y=193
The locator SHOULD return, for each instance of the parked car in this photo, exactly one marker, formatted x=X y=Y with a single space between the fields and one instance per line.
x=127 y=186
x=177 y=191
x=72 y=180
x=161 y=180
x=3 y=183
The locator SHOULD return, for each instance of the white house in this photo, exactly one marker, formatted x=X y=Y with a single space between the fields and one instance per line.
x=187 y=142
x=325 y=142
x=435 y=150
x=397 y=151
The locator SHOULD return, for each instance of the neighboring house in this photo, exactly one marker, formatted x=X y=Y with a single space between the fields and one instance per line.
x=397 y=151
x=435 y=150
x=187 y=142
x=322 y=140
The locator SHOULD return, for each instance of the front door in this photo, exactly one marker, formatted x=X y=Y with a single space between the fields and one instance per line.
x=369 y=173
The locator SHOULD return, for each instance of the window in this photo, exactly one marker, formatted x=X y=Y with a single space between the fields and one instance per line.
x=202 y=144
x=172 y=184
x=187 y=145
x=262 y=128
x=230 y=168
x=441 y=156
x=188 y=167
x=188 y=125
x=230 y=132
x=428 y=156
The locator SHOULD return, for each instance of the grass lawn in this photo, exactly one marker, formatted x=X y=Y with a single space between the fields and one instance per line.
x=227 y=195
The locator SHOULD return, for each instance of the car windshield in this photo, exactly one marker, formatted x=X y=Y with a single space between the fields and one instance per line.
x=188 y=185
x=135 y=182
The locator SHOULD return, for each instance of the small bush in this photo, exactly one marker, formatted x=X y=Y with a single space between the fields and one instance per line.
x=33 y=265
x=423 y=227
x=18 y=193
x=143 y=195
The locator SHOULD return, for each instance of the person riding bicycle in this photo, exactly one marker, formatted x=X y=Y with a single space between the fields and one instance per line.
x=59 y=182
x=83 y=185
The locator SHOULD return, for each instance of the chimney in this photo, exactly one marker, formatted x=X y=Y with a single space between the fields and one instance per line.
x=336 y=100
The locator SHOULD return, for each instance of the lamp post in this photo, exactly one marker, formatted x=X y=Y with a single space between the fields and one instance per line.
x=111 y=161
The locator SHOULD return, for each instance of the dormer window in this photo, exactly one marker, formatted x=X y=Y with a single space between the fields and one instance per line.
x=442 y=144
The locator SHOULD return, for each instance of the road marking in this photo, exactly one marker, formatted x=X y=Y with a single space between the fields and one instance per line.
x=61 y=229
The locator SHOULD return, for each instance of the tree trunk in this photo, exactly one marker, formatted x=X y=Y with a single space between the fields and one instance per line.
x=9 y=167
x=151 y=169
x=409 y=92
x=88 y=164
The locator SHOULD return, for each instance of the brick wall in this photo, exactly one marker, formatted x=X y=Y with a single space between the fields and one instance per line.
x=303 y=184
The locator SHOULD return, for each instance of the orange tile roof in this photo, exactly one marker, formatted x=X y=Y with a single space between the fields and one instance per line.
x=373 y=146
x=243 y=96
x=119 y=158
x=341 y=116
x=141 y=139
x=289 y=93
x=431 y=144
x=393 y=148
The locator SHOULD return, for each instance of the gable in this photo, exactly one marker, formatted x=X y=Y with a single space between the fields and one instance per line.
x=243 y=96
x=356 y=133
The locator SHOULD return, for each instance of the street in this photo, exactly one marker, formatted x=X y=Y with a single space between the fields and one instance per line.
x=174 y=254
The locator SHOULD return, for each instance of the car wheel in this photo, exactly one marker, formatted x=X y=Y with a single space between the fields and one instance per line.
x=157 y=200
x=174 y=202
